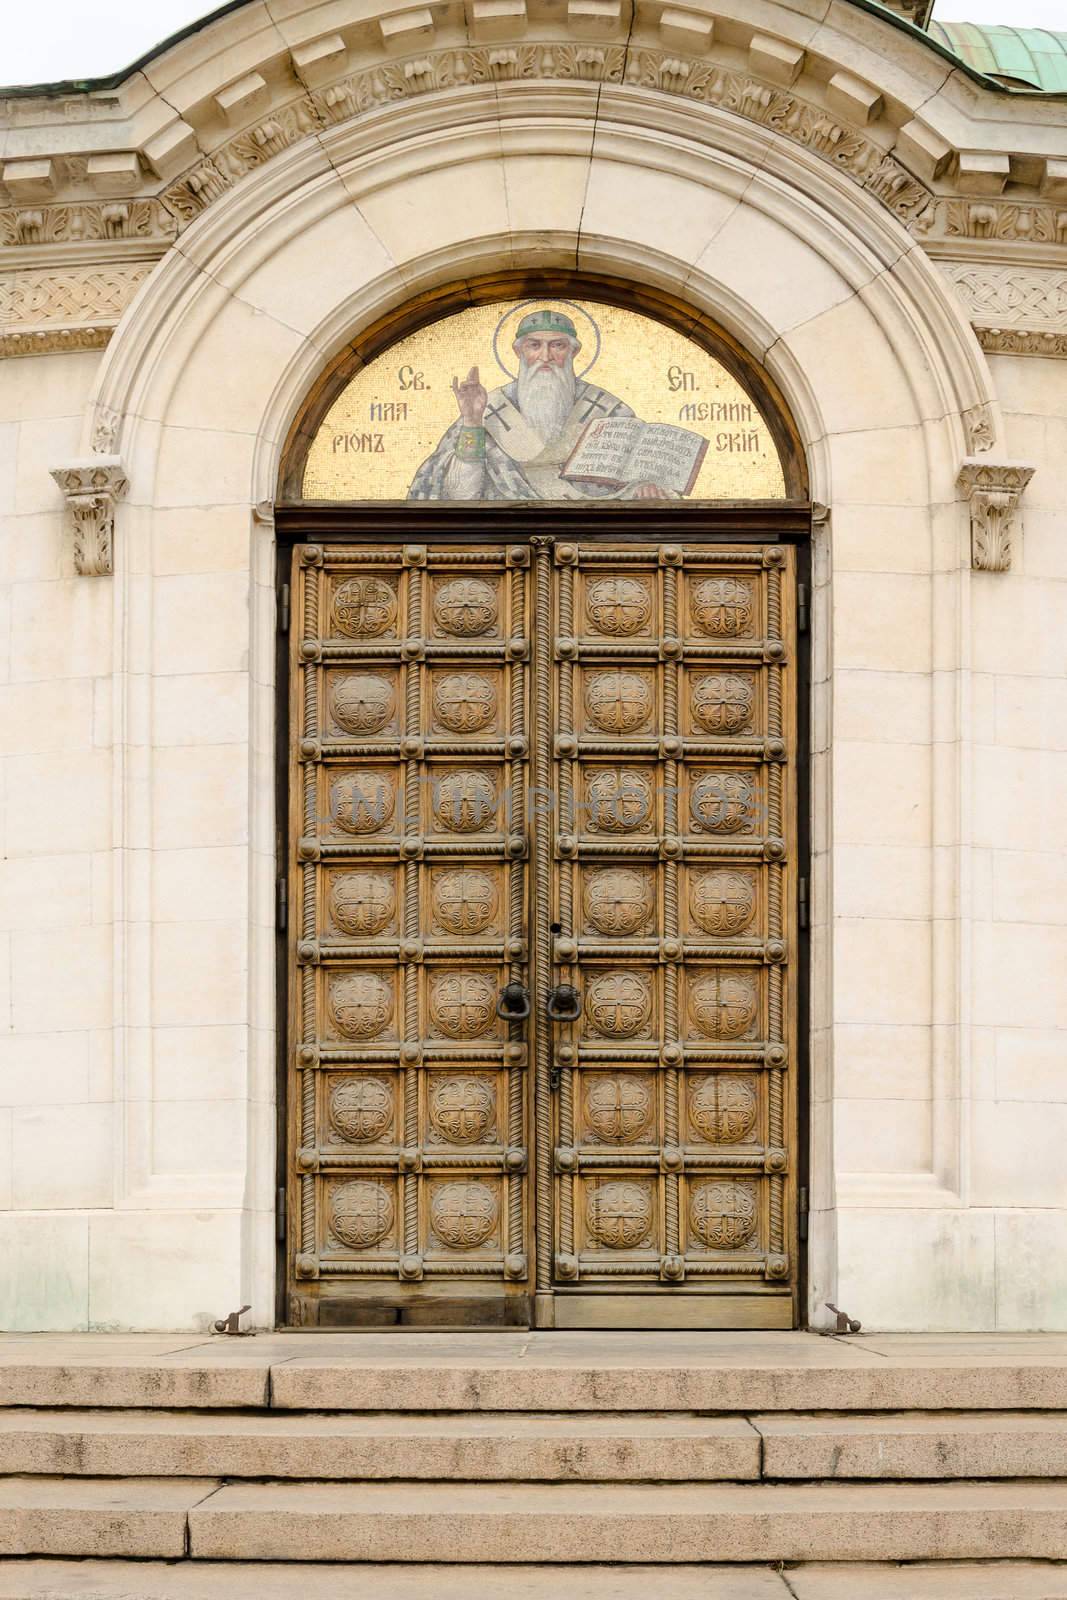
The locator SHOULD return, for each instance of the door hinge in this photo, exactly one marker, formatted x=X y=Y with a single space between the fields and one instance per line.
x=803 y=916
x=802 y=608
x=283 y=609
x=802 y=1213
x=279 y=1214
x=282 y=905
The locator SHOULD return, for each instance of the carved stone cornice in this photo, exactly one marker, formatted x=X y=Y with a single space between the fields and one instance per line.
x=91 y=488
x=74 y=309
x=1013 y=310
x=993 y=491
x=1022 y=342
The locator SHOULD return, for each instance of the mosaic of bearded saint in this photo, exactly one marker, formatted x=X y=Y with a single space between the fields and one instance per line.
x=512 y=443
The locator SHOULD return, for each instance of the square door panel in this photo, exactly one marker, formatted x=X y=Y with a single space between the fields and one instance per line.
x=724 y=803
x=362 y=1005
x=617 y=702
x=363 y=703
x=465 y=702
x=722 y=1109
x=721 y=703
x=362 y=902
x=619 y=607
x=467 y=900
x=721 y=900
x=618 y=1107
x=466 y=605
x=464 y=1107
x=361 y=1108
x=721 y=606
x=464 y=801
x=362 y=605
x=621 y=1003
x=723 y=1216
x=619 y=799
x=361 y=802
x=460 y=1003
x=618 y=900
x=619 y=1215
x=362 y=1216
x=464 y=1216
x=723 y=1004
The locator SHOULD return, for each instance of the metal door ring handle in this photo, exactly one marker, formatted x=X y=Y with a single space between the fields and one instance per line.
x=513 y=1002
x=564 y=1003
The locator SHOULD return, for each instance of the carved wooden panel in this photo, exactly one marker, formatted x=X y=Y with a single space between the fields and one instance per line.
x=672 y=1104
x=409 y=717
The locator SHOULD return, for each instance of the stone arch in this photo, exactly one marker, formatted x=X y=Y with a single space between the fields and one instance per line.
x=799 y=265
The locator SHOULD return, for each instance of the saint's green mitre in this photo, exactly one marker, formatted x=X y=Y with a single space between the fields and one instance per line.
x=546 y=322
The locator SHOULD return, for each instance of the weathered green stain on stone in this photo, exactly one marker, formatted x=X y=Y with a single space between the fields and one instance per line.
x=1032 y=56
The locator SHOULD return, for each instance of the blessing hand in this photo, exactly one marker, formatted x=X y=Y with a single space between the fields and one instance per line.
x=471 y=397
x=649 y=491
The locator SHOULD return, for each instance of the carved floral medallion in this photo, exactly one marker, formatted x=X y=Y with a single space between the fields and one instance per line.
x=722 y=608
x=464 y=901
x=723 y=1106
x=723 y=702
x=363 y=903
x=722 y=903
x=724 y=802
x=364 y=608
x=619 y=800
x=618 y=606
x=723 y=1003
x=465 y=607
x=619 y=1004
x=362 y=702
x=462 y=1004
x=360 y=1213
x=464 y=802
x=463 y=1214
x=361 y=1109
x=361 y=1004
x=619 y=900
x=620 y=1214
x=723 y=1215
x=464 y=702
x=362 y=802
x=618 y=1106
x=618 y=702
x=461 y=1109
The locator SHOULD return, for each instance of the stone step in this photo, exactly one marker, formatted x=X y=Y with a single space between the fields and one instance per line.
x=624 y=1523
x=544 y=1371
x=30 y=1579
x=98 y=1516
x=665 y=1524
x=915 y=1445
x=349 y=1446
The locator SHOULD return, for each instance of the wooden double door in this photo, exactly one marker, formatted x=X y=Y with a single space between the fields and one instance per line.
x=542 y=941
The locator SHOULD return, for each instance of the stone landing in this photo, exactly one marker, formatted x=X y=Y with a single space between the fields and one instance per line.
x=628 y=1466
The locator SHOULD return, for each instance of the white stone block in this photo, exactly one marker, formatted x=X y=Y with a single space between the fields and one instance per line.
x=45 y=892
x=201 y=1137
x=686 y=30
x=1030 y=1065
x=30 y=180
x=201 y=708
x=62 y=1157
x=850 y=97
x=44 y=1068
x=45 y=1280
x=888 y=1135
x=881 y=623
x=61 y=631
x=320 y=60
x=982 y=172
x=882 y=794
x=61 y=979
x=199 y=796
x=160 y=1270
x=59 y=796
x=199 y=973
x=200 y=624
x=882 y=972
x=245 y=98
x=205 y=1063
x=405 y=29
x=595 y=18
x=911 y=1269
x=172 y=149
x=116 y=173
x=199 y=884
x=922 y=150
x=882 y=1061
x=1017 y=1154
x=775 y=59
x=45 y=716
x=1018 y=975
x=1054 y=183
x=1031 y=1281
x=495 y=19
x=877 y=880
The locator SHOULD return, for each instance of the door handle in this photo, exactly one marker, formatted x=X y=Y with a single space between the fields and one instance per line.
x=564 y=1003
x=513 y=1002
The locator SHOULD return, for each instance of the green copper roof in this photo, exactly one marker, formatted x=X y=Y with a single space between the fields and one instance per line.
x=1031 y=56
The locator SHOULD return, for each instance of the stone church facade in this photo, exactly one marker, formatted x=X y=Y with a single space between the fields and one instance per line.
x=199 y=260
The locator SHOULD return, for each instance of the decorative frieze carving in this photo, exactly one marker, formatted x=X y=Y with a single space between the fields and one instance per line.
x=73 y=224
x=993 y=492
x=91 y=489
x=1014 y=221
x=1022 y=342
x=1014 y=310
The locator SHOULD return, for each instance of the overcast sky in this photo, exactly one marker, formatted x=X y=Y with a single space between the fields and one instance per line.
x=53 y=39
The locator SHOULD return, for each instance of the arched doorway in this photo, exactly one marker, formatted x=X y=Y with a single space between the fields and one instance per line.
x=542 y=762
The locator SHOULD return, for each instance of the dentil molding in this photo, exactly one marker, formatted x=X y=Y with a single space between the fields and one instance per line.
x=91 y=488
x=993 y=492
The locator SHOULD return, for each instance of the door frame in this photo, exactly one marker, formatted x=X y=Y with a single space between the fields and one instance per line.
x=757 y=522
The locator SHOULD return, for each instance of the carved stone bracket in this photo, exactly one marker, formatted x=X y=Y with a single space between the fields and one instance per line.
x=993 y=493
x=91 y=488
